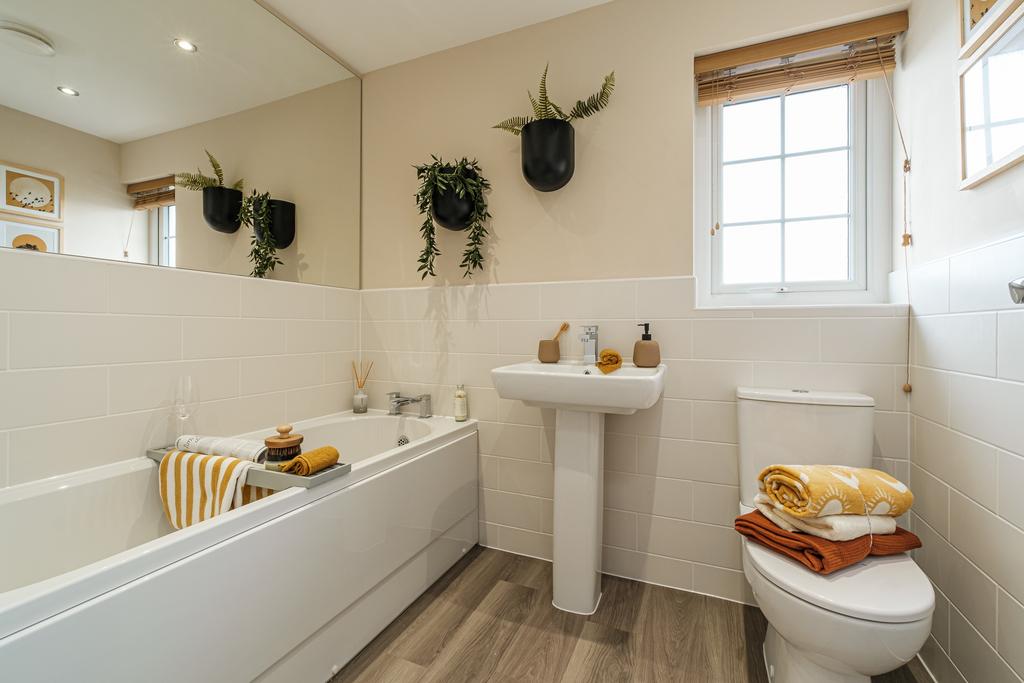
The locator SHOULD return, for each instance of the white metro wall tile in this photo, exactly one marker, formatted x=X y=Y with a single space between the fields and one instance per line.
x=153 y=385
x=42 y=340
x=1010 y=345
x=977 y=279
x=273 y=299
x=761 y=339
x=169 y=291
x=32 y=397
x=50 y=282
x=231 y=337
x=602 y=299
x=3 y=340
x=961 y=343
x=868 y=340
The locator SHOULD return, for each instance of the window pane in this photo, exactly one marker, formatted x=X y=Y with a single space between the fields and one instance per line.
x=818 y=251
x=752 y=253
x=816 y=185
x=751 y=191
x=1006 y=139
x=751 y=129
x=817 y=119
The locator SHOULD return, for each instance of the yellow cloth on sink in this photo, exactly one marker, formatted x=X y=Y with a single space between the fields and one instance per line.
x=820 y=490
x=312 y=462
x=610 y=360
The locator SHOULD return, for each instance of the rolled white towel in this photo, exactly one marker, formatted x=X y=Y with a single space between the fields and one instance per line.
x=242 y=449
x=831 y=527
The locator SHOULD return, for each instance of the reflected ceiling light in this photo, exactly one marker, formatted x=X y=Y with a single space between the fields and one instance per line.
x=24 y=39
x=65 y=90
x=186 y=45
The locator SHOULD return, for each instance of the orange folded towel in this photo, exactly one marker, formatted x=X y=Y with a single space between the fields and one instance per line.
x=312 y=462
x=610 y=360
x=818 y=554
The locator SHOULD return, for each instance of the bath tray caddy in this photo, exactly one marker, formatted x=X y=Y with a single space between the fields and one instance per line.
x=277 y=481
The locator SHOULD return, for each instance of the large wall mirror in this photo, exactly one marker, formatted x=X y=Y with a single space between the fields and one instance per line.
x=103 y=102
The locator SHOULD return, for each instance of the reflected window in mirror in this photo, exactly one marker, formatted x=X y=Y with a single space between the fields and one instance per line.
x=165 y=235
x=992 y=104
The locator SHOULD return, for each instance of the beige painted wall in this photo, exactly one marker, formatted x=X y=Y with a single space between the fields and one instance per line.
x=944 y=219
x=97 y=212
x=628 y=210
x=303 y=149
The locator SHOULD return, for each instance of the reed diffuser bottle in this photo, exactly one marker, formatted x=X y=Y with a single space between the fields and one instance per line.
x=360 y=401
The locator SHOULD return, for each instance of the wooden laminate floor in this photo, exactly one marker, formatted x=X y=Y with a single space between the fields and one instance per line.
x=490 y=618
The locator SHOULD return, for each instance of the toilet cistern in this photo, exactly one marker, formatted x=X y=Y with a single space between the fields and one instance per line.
x=589 y=339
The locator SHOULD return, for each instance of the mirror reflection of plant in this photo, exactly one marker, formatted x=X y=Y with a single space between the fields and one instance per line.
x=466 y=179
x=544 y=108
x=198 y=181
x=255 y=213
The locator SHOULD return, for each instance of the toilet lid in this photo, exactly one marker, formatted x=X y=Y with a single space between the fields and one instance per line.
x=890 y=589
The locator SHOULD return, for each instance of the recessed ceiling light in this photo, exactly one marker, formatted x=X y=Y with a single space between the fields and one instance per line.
x=186 y=45
x=65 y=90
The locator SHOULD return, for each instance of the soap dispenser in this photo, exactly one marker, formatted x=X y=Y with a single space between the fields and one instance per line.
x=646 y=352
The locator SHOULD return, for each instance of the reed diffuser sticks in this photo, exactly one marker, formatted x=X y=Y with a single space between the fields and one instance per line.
x=359 y=374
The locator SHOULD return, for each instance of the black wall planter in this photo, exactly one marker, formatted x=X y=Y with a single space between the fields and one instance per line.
x=452 y=211
x=282 y=223
x=549 y=154
x=220 y=208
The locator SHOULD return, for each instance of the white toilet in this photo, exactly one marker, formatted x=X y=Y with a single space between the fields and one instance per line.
x=858 y=622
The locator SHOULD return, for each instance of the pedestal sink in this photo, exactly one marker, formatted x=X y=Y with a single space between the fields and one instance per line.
x=581 y=396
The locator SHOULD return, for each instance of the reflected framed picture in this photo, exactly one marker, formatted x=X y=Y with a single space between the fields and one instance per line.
x=32 y=192
x=992 y=103
x=19 y=234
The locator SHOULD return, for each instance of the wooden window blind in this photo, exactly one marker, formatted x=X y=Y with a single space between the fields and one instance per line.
x=150 y=194
x=833 y=55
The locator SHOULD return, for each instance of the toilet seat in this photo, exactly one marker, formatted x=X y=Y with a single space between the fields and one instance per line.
x=890 y=589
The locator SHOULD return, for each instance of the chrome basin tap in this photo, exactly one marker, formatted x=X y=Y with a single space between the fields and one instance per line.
x=396 y=401
x=589 y=339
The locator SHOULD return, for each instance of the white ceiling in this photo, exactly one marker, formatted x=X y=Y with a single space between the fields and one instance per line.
x=370 y=35
x=133 y=81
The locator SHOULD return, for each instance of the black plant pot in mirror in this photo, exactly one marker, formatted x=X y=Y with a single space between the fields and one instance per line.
x=220 y=208
x=549 y=154
x=452 y=211
x=282 y=223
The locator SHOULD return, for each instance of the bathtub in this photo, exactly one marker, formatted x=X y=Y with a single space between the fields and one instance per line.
x=96 y=586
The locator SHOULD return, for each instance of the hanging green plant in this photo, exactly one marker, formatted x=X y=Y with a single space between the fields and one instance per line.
x=200 y=181
x=255 y=213
x=544 y=108
x=452 y=195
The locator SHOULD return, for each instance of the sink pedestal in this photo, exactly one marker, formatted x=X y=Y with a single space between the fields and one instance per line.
x=579 y=510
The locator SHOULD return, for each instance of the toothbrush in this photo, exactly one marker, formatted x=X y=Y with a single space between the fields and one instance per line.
x=561 y=330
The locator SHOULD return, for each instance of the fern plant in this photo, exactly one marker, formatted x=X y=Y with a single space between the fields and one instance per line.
x=255 y=213
x=199 y=180
x=466 y=179
x=545 y=108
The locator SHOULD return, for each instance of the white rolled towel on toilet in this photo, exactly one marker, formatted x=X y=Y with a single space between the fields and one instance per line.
x=243 y=449
x=831 y=527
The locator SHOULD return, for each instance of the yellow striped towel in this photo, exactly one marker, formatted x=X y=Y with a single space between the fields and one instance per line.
x=195 y=487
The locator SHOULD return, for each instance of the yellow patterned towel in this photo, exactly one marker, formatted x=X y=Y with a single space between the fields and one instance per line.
x=820 y=490
x=195 y=487
x=610 y=360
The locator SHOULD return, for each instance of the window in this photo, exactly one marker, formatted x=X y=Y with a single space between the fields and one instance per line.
x=166 y=236
x=789 y=179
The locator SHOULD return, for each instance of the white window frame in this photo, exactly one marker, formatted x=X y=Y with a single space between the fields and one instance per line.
x=870 y=206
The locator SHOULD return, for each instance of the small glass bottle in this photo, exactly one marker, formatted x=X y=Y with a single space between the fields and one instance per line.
x=461 y=404
x=360 y=401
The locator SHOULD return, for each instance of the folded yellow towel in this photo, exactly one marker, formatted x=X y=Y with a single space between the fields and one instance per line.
x=610 y=360
x=194 y=487
x=820 y=490
x=312 y=462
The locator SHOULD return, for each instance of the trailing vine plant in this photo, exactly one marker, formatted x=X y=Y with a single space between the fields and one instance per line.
x=255 y=213
x=198 y=180
x=544 y=108
x=466 y=179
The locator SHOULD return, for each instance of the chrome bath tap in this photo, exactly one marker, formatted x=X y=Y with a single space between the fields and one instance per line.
x=396 y=401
